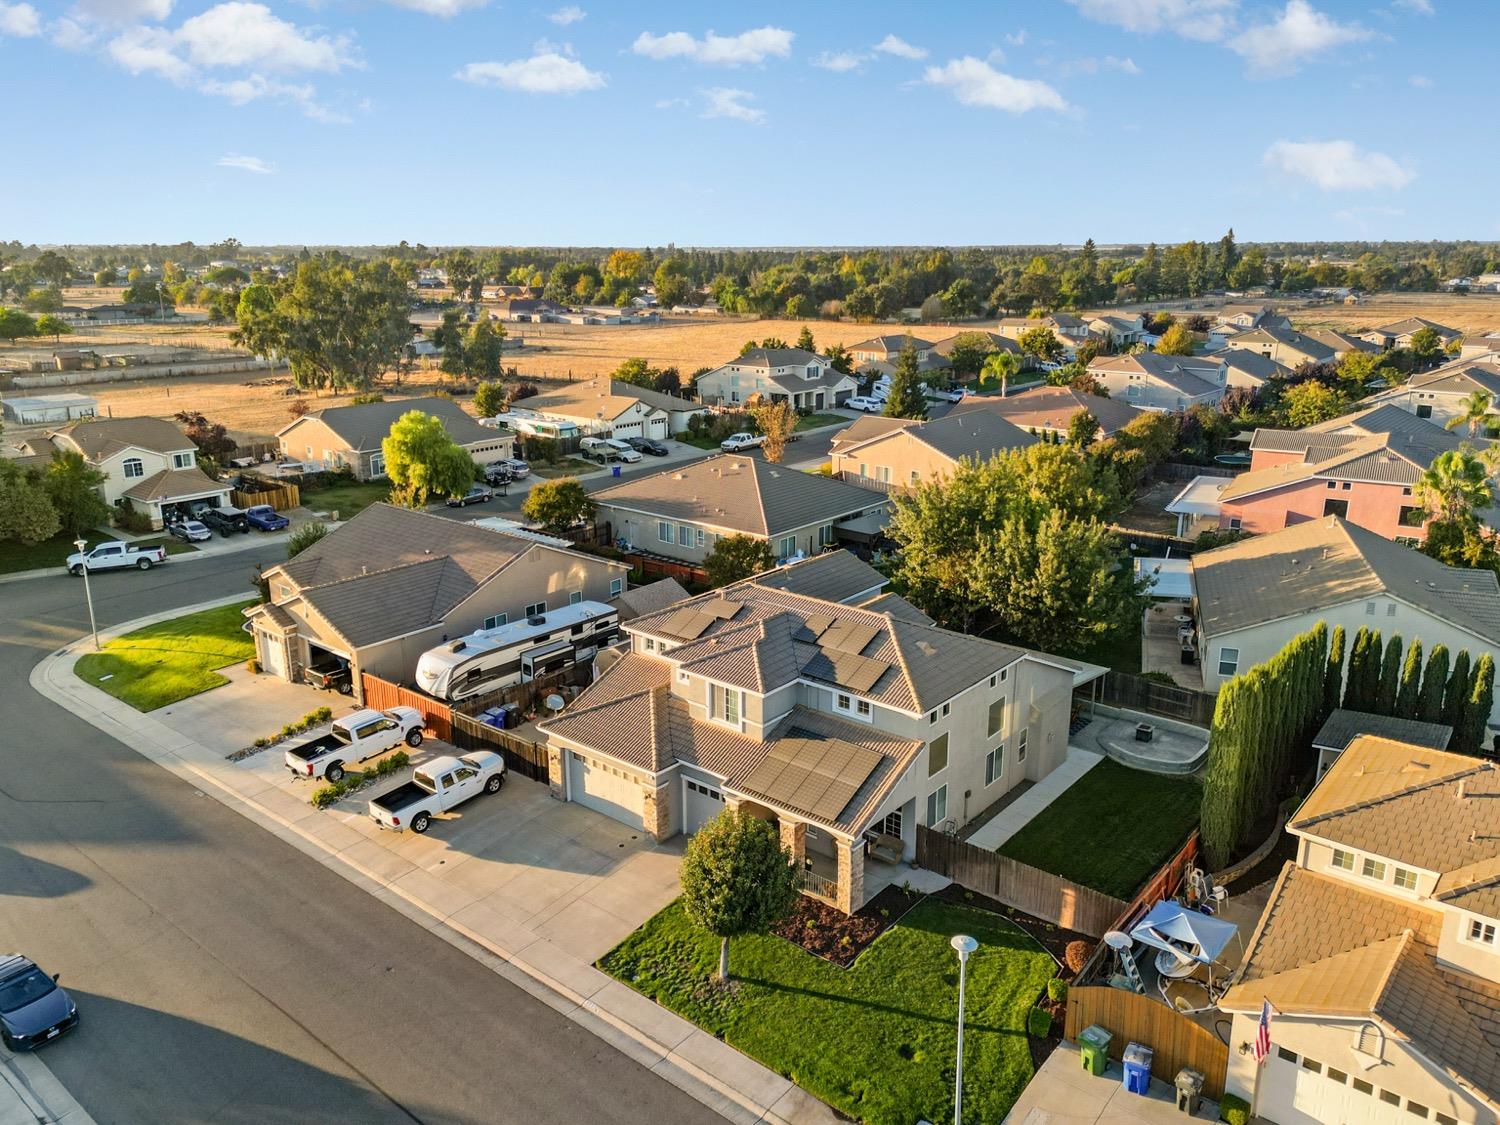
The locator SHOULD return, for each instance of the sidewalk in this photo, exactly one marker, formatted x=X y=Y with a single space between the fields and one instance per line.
x=538 y=960
x=30 y=1095
x=1038 y=797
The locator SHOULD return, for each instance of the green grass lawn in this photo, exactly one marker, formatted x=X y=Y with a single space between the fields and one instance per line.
x=567 y=467
x=15 y=557
x=1111 y=829
x=347 y=499
x=815 y=421
x=875 y=1040
x=171 y=660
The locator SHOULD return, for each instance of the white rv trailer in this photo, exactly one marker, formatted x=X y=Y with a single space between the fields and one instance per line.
x=517 y=653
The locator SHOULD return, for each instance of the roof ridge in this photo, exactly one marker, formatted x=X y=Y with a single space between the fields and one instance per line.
x=1405 y=939
x=1372 y=802
x=373 y=573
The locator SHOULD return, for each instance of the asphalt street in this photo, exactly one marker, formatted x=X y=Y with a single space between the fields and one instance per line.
x=222 y=976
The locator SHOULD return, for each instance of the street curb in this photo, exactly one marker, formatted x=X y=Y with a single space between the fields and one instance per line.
x=173 y=560
x=578 y=1007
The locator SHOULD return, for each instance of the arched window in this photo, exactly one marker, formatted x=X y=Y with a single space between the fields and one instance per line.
x=134 y=468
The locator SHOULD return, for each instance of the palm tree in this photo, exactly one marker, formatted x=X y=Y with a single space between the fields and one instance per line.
x=1456 y=488
x=1476 y=409
x=1000 y=366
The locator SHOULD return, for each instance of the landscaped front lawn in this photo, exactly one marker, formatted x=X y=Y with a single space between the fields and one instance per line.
x=876 y=1040
x=816 y=421
x=347 y=498
x=171 y=660
x=1111 y=829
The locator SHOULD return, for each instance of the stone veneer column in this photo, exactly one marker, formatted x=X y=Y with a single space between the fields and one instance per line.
x=656 y=812
x=794 y=839
x=851 y=889
x=555 y=765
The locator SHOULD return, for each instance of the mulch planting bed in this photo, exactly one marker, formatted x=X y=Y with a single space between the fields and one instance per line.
x=831 y=934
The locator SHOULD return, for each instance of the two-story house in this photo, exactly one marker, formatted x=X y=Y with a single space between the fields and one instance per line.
x=844 y=727
x=149 y=465
x=392 y=583
x=1069 y=329
x=1443 y=394
x=1163 y=383
x=884 y=453
x=1251 y=316
x=1342 y=343
x=351 y=436
x=805 y=379
x=887 y=349
x=1363 y=467
x=1121 y=331
x=1286 y=346
x=1398 y=333
x=1050 y=410
x=682 y=513
x=1379 y=950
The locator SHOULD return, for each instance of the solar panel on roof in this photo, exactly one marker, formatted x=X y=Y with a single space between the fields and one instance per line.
x=721 y=608
x=817 y=623
x=848 y=636
x=817 y=776
x=688 y=624
x=866 y=674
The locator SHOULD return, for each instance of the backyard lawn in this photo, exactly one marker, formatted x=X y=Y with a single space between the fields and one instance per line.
x=1111 y=829
x=875 y=1040
x=171 y=660
x=348 y=498
x=15 y=557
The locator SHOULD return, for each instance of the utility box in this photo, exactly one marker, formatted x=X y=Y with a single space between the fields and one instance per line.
x=1093 y=1047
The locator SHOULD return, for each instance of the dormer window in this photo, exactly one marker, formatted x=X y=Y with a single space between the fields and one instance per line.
x=182 y=460
x=133 y=468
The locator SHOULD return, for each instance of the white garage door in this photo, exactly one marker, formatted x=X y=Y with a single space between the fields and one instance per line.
x=272 y=655
x=1297 y=1090
x=704 y=802
x=626 y=429
x=658 y=428
x=597 y=785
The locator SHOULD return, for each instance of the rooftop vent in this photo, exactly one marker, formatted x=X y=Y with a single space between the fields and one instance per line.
x=536 y=619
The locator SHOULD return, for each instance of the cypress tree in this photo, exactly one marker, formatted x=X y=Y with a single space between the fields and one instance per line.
x=1469 y=739
x=1360 y=659
x=1456 y=695
x=1434 y=683
x=1370 y=690
x=1410 y=689
x=1219 y=818
x=1333 y=673
x=1390 y=677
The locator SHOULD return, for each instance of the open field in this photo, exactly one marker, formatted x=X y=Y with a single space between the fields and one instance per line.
x=1470 y=315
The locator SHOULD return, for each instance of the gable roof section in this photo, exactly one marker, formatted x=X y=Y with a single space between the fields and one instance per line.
x=374 y=607
x=1190 y=375
x=835 y=576
x=999 y=343
x=975 y=434
x=889 y=343
x=1414 y=324
x=1343 y=726
x=1052 y=408
x=589 y=400
x=778 y=357
x=365 y=426
x=99 y=438
x=1464 y=377
x=741 y=494
x=1340 y=341
x=651 y=598
x=1253 y=364
x=172 y=483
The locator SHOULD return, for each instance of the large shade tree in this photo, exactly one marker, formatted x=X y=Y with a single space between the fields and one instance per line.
x=423 y=462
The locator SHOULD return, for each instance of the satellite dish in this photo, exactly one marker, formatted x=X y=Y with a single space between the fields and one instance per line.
x=554 y=702
x=1117 y=939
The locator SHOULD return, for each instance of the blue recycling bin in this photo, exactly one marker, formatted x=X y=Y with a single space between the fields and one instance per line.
x=615 y=471
x=1137 y=1063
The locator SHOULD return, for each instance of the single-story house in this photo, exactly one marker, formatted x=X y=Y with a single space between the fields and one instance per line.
x=1163 y=383
x=883 y=453
x=42 y=410
x=805 y=379
x=1251 y=316
x=603 y=407
x=1050 y=409
x=1398 y=333
x=351 y=436
x=1343 y=726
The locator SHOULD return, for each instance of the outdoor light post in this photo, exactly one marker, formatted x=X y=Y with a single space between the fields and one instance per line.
x=88 y=594
x=964 y=945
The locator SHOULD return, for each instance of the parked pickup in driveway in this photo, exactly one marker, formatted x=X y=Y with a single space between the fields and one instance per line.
x=112 y=556
x=440 y=785
x=354 y=739
x=263 y=517
x=736 y=442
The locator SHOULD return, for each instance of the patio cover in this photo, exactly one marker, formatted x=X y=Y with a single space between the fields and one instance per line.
x=1175 y=928
x=1199 y=497
x=1174 y=577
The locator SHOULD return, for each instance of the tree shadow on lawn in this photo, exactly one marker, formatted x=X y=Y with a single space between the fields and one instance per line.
x=943 y=1018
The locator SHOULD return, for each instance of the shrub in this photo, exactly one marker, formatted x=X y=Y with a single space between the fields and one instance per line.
x=253 y=666
x=1234 y=1109
x=262 y=742
x=328 y=794
x=1057 y=990
x=1076 y=954
x=288 y=730
x=523 y=390
x=128 y=519
x=1038 y=1023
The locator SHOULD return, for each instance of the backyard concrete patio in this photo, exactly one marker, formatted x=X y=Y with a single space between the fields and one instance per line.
x=1161 y=645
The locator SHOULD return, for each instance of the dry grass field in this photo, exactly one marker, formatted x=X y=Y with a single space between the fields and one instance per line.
x=1470 y=315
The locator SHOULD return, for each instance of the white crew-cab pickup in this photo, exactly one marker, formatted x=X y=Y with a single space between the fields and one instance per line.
x=736 y=442
x=113 y=555
x=354 y=739
x=436 y=787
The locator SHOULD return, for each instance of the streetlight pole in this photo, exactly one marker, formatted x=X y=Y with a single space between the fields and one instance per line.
x=88 y=593
x=963 y=945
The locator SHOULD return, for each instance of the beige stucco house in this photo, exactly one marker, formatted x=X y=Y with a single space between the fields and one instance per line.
x=805 y=379
x=884 y=453
x=350 y=436
x=619 y=409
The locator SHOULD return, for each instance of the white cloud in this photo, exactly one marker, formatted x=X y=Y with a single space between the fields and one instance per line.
x=1416 y=7
x=1094 y=66
x=70 y=35
x=839 y=61
x=255 y=87
x=1337 y=165
x=570 y=14
x=441 y=8
x=726 y=102
x=238 y=33
x=1299 y=33
x=1420 y=81
x=247 y=164
x=894 y=45
x=545 y=73
x=717 y=50
x=1203 y=20
x=1016 y=38
x=21 y=20
x=149 y=50
x=974 y=82
x=125 y=11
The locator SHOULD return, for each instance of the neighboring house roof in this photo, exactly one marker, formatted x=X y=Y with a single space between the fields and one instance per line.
x=1314 y=351
x=660 y=399
x=778 y=357
x=651 y=598
x=1253 y=365
x=932 y=361
x=975 y=434
x=1343 y=727
x=99 y=438
x=1462 y=378
x=827 y=379
x=1125 y=324
x=172 y=483
x=1052 y=408
x=1313 y=566
x=1189 y=375
x=611 y=398
x=999 y=343
x=1340 y=342
x=365 y=426
x=835 y=576
x=898 y=607
x=891 y=343
x=740 y=494
x=1412 y=324
x=865 y=428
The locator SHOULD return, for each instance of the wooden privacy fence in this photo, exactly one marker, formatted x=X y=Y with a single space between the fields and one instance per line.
x=1175 y=1040
x=521 y=755
x=653 y=567
x=1136 y=693
x=382 y=695
x=1040 y=893
x=282 y=497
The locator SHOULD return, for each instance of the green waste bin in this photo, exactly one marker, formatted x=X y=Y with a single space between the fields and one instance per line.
x=1093 y=1046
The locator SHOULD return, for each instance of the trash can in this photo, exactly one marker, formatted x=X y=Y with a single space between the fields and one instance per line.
x=1189 y=1091
x=1093 y=1047
x=615 y=471
x=1137 y=1062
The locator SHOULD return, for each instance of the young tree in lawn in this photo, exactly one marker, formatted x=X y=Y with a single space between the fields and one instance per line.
x=906 y=400
x=736 y=557
x=1434 y=684
x=72 y=484
x=736 y=879
x=776 y=421
x=998 y=369
x=1409 y=692
x=423 y=462
x=1390 y=677
x=490 y=398
x=1176 y=340
x=1468 y=738
x=26 y=512
x=54 y=326
x=559 y=504
x=1333 y=674
x=1456 y=694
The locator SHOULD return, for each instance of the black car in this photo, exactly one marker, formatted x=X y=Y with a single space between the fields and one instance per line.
x=479 y=494
x=648 y=445
x=226 y=521
x=33 y=1010
x=330 y=673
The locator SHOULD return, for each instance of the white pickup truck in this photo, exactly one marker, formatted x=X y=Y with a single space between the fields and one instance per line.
x=736 y=442
x=114 y=555
x=436 y=787
x=354 y=739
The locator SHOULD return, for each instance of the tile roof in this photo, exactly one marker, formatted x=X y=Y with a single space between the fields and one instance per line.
x=1052 y=408
x=889 y=343
x=170 y=484
x=101 y=437
x=1314 y=351
x=1311 y=567
x=1191 y=375
x=585 y=400
x=1414 y=324
x=898 y=607
x=999 y=343
x=975 y=434
x=651 y=598
x=742 y=494
x=835 y=576
x=390 y=603
x=778 y=357
x=1462 y=377
x=366 y=426
x=1253 y=364
x=1343 y=727
x=1340 y=342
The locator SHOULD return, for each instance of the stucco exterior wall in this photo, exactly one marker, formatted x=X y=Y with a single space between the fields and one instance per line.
x=894 y=460
x=1375 y=507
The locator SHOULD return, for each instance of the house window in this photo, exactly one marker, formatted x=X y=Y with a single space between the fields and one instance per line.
x=997 y=716
x=182 y=460
x=575 y=597
x=945 y=710
x=495 y=622
x=616 y=587
x=843 y=703
x=1481 y=932
x=1338 y=508
x=377 y=464
x=1369 y=609
x=1390 y=609
x=664 y=531
x=937 y=755
x=1343 y=860
x=937 y=806
x=1416 y=1109
x=649 y=644
x=1021 y=745
x=283 y=591
x=1229 y=661
x=862 y=708
x=825 y=535
x=536 y=609
x=732 y=706
x=787 y=547
x=1406 y=880
x=932 y=718
x=1333 y=484
x=684 y=535
x=698 y=534
x=994 y=765
x=1373 y=869
x=1346 y=486
x=134 y=468
x=1424 y=412
x=1285 y=1055
x=1411 y=515
x=915 y=476
x=1235 y=523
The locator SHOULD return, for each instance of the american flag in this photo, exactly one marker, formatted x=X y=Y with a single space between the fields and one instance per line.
x=1263 y=1033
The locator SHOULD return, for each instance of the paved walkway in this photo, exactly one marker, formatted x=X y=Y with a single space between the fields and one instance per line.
x=1063 y=1093
x=31 y=1095
x=1038 y=797
x=552 y=960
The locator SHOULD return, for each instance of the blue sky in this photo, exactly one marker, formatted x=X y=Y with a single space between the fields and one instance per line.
x=823 y=123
